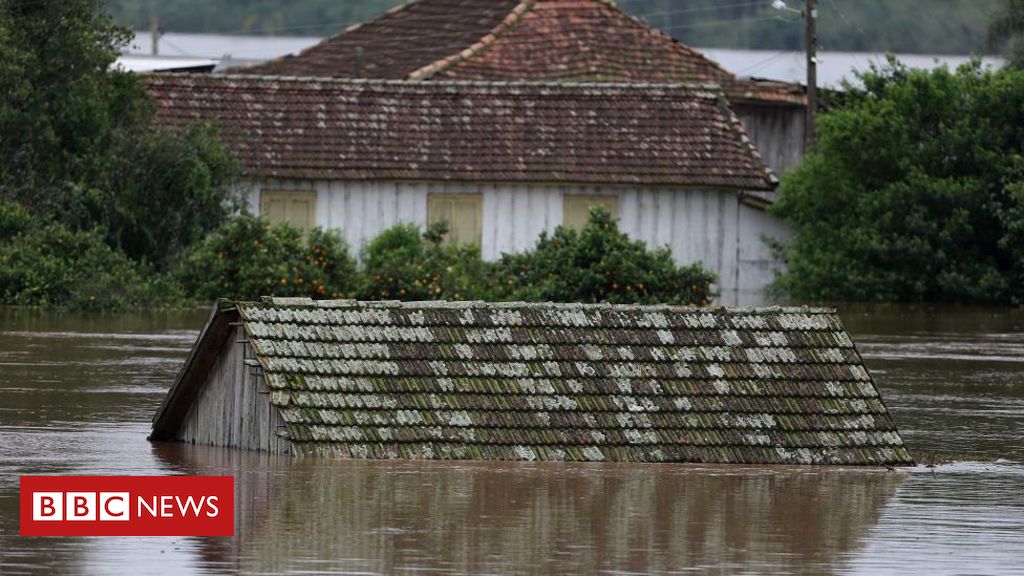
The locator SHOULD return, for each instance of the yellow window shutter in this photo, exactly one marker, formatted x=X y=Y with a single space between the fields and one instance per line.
x=300 y=211
x=439 y=209
x=273 y=207
x=576 y=208
x=462 y=212
x=296 y=207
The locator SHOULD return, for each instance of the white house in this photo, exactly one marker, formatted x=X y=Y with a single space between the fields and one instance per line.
x=500 y=161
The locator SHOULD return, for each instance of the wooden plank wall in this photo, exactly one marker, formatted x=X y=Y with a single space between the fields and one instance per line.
x=698 y=225
x=233 y=406
x=776 y=131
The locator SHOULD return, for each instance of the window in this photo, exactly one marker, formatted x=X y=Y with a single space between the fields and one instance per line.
x=576 y=209
x=294 y=207
x=462 y=212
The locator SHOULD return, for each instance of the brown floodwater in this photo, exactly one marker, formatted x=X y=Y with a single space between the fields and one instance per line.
x=77 y=394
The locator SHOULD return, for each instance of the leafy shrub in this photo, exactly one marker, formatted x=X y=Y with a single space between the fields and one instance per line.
x=914 y=192
x=50 y=265
x=249 y=258
x=403 y=264
x=599 y=264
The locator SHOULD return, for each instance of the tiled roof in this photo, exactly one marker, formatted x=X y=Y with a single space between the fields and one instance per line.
x=536 y=40
x=497 y=132
x=396 y=44
x=592 y=40
x=569 y=382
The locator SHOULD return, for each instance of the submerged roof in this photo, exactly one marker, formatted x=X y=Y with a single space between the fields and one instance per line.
x=537 y=40
x=560 y=382
x=470 y=131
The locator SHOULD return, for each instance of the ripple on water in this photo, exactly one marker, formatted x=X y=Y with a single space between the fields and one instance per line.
x=78 y=400
x=955 y=519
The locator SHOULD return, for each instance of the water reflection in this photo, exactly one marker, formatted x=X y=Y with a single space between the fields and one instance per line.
x=963 y=518
x=77 y=394
x=576 y=518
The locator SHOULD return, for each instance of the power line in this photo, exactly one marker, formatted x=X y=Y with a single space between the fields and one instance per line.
x=455 y=44
x=342 y=25
x=760 y=63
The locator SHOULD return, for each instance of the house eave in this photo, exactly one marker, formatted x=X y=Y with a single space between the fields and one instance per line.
x=190 y=378
x=766 y=187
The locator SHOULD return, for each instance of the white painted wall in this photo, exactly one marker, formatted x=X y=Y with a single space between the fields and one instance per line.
x=709 y=226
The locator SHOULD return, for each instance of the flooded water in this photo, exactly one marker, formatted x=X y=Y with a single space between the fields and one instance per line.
x=77 y=394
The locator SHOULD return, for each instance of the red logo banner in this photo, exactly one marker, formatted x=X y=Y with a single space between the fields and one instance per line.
x=127 y=505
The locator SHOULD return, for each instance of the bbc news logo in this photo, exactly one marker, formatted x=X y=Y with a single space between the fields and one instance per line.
x=127 y=506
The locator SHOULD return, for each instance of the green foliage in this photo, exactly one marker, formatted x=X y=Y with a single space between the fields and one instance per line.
x=58 y=98
x=402 y=264
x=931 y=27
x=914 y=193
x=166 y=190
x=78 y=146
x=600 y=264
x=50 y=265
x=249 y=258
x=306 y=18
x=1006 y=31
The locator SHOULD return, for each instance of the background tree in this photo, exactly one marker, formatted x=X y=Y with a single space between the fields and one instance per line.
x=914 y=192
x=1006 y=32
x=76 y=143
x=939 y=26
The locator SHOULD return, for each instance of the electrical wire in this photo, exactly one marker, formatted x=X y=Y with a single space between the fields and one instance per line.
x=747 y=70
x=388 y=44
x=341 y=25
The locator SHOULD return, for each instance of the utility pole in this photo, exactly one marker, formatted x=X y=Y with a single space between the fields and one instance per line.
x=154 y=35
x=811 y=15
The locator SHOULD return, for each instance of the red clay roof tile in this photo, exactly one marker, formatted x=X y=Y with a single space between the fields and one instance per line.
x=396 y=44
x=470 y=131
x=535 y=40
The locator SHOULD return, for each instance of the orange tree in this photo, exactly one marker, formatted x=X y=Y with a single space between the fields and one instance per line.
x=249 y=258
x=599 y=264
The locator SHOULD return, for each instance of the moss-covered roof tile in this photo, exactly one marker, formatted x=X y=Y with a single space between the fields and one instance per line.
x=569 y=382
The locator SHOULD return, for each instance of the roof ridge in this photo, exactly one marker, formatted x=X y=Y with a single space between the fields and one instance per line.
x=350 y=28
x=507 y=23
x=525 y=6
x=659 y=32
x=692 y=87
x=277 y=301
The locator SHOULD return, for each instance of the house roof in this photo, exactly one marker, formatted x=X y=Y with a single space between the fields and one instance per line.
x=558 y=382
x=282 y=127
x=393 y=46
x=535 y=40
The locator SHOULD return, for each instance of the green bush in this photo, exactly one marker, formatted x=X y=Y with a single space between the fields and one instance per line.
x=249 y=258
x=599 y=264
x=50 y=265
x=403 y=264
x=914 y=192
